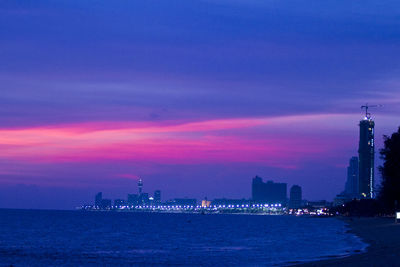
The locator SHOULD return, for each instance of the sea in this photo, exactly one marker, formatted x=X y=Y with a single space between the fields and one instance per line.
x=93 y=238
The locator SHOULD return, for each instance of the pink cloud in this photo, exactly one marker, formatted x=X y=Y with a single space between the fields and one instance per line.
x=281 y=141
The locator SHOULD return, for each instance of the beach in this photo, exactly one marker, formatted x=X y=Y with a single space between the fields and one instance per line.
x=383 y=237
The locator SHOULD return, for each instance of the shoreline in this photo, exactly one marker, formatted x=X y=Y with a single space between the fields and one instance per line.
x=382 y=236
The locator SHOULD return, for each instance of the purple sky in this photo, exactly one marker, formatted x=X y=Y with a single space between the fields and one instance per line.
x=195 y=97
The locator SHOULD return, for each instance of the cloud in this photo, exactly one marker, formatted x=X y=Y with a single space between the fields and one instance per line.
x=274 y=141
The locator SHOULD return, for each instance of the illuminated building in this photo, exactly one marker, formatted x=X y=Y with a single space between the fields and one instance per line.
x=295 y=197
x=268 y=192
x=205 y=203
x=366 y=155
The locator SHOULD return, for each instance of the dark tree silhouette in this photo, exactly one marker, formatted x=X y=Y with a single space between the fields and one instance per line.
x=390 y=187
x=359 y=207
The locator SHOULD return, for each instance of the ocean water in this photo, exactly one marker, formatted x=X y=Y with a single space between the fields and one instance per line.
x=78 y=238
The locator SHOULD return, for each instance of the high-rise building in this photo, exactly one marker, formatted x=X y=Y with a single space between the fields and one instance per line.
x=268 y=192
x=157 y=197
x=295 y=200
x=351 y=189
x=366 y=156
x=97 y=200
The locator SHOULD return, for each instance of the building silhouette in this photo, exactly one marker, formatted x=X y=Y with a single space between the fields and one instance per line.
x=133 y=199
x=118 y=203
x=231 y=202
x=140 y=186
x=97 y=200
x=182 y=202
x=268 y=192
x=157 y=197
x=105 y=204
x=295 y=200
x=144 y=199
x=366 y=155
x=100 y=202
x=351 y=188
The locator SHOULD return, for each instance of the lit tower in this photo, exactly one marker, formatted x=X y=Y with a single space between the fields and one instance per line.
x=140 y=186
x=366 y=156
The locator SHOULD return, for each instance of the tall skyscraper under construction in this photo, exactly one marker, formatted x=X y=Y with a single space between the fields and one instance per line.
x=366 y=156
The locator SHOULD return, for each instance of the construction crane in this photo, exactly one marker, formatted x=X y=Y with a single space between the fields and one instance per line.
x=366 y=107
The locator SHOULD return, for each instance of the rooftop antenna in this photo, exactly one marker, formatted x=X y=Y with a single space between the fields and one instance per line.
x=366 y=107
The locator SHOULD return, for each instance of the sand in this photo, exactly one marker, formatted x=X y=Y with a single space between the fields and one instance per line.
x=383 y=237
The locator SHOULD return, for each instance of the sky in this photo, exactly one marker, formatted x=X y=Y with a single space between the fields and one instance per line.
x=195 y=97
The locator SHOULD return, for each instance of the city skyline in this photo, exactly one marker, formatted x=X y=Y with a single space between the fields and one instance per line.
x=266 y=198
x=192 y=96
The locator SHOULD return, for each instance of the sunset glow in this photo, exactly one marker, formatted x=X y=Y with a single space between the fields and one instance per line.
x=200 y=142
x=196 y=98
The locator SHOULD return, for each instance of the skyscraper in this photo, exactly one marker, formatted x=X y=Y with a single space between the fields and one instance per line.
x=268 y=192
x=295 y=197
x=366 y=155
x=351 y=189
